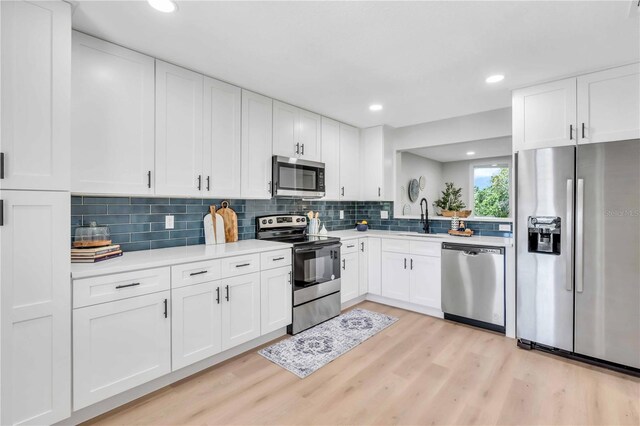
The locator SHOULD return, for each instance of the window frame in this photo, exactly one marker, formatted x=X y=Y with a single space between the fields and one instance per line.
x=472 y=193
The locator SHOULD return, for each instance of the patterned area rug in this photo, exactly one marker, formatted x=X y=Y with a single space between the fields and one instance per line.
x=306 y=352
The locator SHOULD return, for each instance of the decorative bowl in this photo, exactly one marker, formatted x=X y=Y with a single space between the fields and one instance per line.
x=362 y=228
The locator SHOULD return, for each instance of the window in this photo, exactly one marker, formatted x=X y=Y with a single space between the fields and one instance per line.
x=491 y=190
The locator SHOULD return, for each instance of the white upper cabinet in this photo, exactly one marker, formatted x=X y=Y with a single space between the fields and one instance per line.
x=349 y=163
x=331 y=158
x=545 y=115
x=257 y=136
x=609 y=105
x=35 y=293
x=112 y=119
x=372 y=174
x=179 y=143
x=222 y=145
x=35 y=84
x=296 y=132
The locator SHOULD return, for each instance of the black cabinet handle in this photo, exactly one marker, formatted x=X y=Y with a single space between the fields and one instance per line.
x=208 y=183
x=127 y=285
x=199 y=182
x=166 y=313
x=351 y=246
x=379 y=192
x=343 y=191
x=149 y=179
x=298 y=148
x=242 y=265
x=405 y=263
x=1 y=212
x=570 y=132
x=302 y=151
x=218 y=295
x=582 y=130
x=344 y=264
x=275 y=259
x=227 y=297
x=289 y=277
x=1 y=165
x=269 y=188
x=197 y=273
x=412 y=264
x=362 y=247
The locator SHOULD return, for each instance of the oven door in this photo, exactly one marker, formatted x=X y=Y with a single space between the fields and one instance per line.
x=296 y=178
x=316 y=264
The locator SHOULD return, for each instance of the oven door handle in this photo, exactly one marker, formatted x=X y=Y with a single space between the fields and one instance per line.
x=316 y=248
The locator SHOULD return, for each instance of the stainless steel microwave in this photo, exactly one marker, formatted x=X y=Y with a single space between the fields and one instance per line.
x=296 y=178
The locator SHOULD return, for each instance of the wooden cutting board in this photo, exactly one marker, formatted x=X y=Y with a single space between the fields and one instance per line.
x=230 y=222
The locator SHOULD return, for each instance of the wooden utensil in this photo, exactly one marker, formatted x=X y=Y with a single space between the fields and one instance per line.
x=230 y=222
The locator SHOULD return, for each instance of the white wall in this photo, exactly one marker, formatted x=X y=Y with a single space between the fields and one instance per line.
x=412 y=166
x=460 y=173
x=483 y=125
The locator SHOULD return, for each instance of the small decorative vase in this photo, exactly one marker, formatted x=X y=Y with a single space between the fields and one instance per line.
x=455 y=223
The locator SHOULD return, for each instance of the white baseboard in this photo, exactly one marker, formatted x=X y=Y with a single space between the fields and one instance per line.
x=154 y=385
x=352 y=302
x=405 y=305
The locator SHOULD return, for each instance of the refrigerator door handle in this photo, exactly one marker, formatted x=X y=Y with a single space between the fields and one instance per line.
x=579 y=235
x=569 y=239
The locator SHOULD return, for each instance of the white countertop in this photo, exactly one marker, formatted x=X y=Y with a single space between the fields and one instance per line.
x=415 y=236
x=131 y=261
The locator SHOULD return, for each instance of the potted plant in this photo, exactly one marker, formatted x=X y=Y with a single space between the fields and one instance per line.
x=451 y=204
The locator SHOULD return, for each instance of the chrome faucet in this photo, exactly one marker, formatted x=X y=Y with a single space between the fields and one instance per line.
x=424 y=215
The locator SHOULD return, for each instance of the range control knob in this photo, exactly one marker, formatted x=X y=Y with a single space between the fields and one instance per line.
x=270 y=221
x=304 y=219
x=264 y=221
x=298 y=220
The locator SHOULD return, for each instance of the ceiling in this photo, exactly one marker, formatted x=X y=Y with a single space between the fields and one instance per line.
x=423 y=61
x=486 y=148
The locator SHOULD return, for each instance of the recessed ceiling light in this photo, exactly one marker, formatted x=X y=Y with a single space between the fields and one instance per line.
x=471 y=152
x=166 y=6
x=375 y=107
x=495 y=78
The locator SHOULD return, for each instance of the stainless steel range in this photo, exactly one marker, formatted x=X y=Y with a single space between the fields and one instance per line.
x=316 y=269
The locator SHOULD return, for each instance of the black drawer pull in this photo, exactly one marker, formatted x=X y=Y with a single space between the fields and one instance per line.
x=227 y=296
x=127 y=285
x=166 y=309
x=197 y=273
x=243 y=265
x=275 y=259
x=351 y=246
x=218 y=295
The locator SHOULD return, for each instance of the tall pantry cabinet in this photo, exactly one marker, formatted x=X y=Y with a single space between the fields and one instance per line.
x=35 y=321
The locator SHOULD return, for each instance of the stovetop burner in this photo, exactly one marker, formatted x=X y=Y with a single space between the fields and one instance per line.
x=288 y=228
x=303 y=239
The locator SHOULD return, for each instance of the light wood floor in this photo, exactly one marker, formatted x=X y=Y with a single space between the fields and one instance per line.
x=421 y=370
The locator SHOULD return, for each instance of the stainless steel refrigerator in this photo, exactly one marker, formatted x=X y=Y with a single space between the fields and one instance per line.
x=578 y=250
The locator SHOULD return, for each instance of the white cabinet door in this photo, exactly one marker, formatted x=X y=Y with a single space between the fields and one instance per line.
x=545 y=116
x=195 y=323
x=112 y=118
x=179 y=161
x=285 y=133
x=349 y=163
x=222 y=144
x=609 y=105
x=395 y=276
x=35 y=83
x=309 y=135
x=349 y=276
x=240 y=309
x=331 y=158
x=372 y=172
x=119 y=345
x=257 y=112
x=35 y=293
x=374 y=269
x=276 y=299
x=425 y=281
x=363 y=265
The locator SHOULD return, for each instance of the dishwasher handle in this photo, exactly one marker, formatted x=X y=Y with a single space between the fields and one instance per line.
x=471 y=250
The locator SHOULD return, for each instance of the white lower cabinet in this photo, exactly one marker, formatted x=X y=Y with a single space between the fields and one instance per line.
x=196 y=324
x=374 y=268
x=349 y=276
x=363 y=265
x=240 y=309
x=119 y=345
x=395 y=276
x=425 y=281
x=275 y=299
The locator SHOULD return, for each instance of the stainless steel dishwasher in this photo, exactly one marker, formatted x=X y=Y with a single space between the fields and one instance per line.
x=473 y=285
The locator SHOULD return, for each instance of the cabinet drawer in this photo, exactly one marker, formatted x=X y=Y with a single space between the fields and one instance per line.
x=349 y=246
x=275 y=259
x=425 y=248
x=195 y=273
x=107 y=288
x=395 y=246
x=239 y=265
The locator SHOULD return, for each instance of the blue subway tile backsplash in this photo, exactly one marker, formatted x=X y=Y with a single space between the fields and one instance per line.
x=137 y=223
